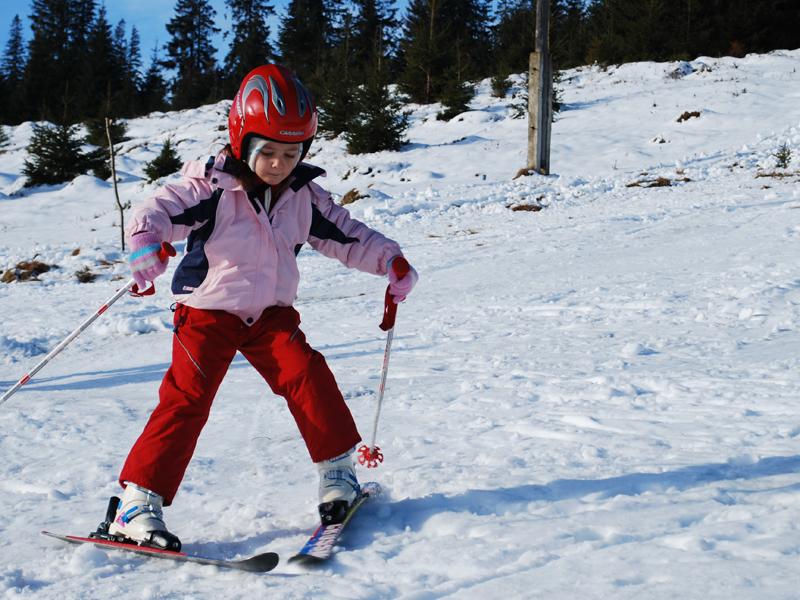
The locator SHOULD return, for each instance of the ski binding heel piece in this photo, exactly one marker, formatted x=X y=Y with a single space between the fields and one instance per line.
x=333 y=512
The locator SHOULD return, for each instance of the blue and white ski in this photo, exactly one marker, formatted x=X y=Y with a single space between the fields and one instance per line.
x=319 y=546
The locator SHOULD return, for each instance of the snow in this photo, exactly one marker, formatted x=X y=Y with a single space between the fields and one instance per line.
x=595 y=400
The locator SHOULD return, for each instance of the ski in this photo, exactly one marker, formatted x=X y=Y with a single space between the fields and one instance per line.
x=319 y=546
x=260 y=563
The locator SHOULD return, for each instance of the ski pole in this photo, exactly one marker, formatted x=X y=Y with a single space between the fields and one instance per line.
x=371 y=455
x=166 y=251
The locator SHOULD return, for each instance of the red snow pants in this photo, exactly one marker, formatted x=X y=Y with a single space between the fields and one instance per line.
x=203 y=346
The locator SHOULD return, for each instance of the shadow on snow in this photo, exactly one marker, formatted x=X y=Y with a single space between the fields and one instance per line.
x=414 y=512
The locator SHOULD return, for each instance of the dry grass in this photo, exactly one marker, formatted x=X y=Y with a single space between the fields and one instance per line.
x=695 y=114
x=525 y=208
x=657 y=182
x=351 y=197
x=26 y=270
x=524 y=172
x=777 y=174
x=648 y=183
x=85 y=275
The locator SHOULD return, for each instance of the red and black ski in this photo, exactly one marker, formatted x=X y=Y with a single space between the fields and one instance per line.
x=260 y=563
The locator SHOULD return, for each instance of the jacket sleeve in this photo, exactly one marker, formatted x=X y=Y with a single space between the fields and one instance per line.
x=174 y=210
x=337 y=235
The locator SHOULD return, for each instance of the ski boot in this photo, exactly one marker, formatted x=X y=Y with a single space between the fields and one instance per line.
x=338 y=487
x=138 y=519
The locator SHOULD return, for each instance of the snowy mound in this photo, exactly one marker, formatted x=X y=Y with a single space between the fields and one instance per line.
x=593 y=389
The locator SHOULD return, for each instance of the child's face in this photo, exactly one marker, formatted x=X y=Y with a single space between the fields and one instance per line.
x=276 y=160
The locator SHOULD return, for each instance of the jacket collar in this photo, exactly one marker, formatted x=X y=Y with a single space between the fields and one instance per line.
x=303 y=174
x=220 y=171
x=216 y=169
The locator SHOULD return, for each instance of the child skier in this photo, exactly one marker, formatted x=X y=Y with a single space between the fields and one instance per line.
x=246 y=213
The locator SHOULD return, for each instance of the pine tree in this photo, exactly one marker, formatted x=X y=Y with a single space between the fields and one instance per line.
x=360 y=45
x=81 y=26
x=132 y=77
x=250 y=47
x=513 y=35
x=191 y=53
x=102 y=71
x=695 y=31
x=443 y=40
x=12 y=71
x=3 y=137
x=455 y=97
x=779 y=28
x=372 y=40
x=337 y=108
x=56 y=155
x=470 y=37
x=13 y=64
x=123 y=93
x=568 y=33
x=120 y=43
x=628 y=30
x=46 y=86
x=380 y=123
x=166 y=163
x=336 y=90
x=423 y=52
x=377 y=120
x=303 y=40
x=96 y=132
x=501 y=84
x=153 y=91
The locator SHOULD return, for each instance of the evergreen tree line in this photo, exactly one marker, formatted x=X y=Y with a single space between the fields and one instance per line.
x=78 y=67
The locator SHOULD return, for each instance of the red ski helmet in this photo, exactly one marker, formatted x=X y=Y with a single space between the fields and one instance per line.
x=271 y=103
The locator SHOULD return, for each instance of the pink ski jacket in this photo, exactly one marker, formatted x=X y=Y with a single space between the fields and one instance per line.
x=241 y=259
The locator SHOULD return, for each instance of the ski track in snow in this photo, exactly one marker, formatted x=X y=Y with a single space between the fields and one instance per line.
x=597 y=400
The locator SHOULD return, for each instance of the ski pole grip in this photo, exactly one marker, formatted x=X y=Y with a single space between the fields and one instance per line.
x=400 y=268
x=166 y=251
x=389 y=312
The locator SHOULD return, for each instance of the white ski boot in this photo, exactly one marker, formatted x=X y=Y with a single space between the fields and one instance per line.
x=338 y=487
x=139 y=518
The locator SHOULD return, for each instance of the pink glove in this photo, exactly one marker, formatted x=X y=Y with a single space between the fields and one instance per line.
x=402 y=278
x=144 y=260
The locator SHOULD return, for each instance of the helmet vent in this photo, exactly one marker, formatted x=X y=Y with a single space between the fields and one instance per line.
x=277 y=98
x=302 y=97
x=256 y=82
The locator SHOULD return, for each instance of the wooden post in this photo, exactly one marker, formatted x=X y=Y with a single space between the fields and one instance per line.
x=540 y=93
x=114 y=179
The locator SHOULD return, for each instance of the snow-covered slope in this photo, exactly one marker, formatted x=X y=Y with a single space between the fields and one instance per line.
x=595 y=400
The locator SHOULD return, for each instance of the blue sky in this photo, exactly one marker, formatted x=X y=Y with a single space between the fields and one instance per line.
x=149 y=16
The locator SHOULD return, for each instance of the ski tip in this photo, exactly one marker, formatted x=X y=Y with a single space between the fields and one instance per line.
x=58 y=536
x=260 y=563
